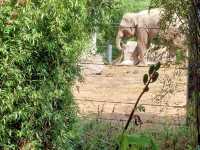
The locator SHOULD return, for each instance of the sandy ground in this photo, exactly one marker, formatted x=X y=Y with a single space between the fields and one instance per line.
x=111 y=94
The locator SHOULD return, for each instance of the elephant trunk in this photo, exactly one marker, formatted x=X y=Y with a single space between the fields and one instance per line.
x=119 y=39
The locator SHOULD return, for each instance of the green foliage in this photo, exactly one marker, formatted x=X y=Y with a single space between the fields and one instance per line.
x=129 y=141
x=141 y=108
x=171 y=7
x=155 y=77
x=157 y=66
x=134 y=5
x=177 y=138
x=137 y=142
x=103 y=135
x=151 y=69
x=39 y=51
x=100 y=13
x=153 y=72
x=180 y=56
x=94 y=135
x=145 y=78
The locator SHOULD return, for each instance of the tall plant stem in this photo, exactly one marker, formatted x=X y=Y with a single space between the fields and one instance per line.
x=135 y=107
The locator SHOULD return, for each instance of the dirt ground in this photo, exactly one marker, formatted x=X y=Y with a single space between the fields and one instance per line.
x=111 y=94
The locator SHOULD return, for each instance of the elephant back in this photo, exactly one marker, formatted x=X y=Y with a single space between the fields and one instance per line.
x=149 y=18
x=128 y=20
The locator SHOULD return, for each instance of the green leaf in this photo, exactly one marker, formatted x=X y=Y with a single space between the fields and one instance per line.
x=151 y=69
x=141 y=108
x=124 y=143
x=154 y=77
x=145 y=78
x=138 y=142
x=157 y=66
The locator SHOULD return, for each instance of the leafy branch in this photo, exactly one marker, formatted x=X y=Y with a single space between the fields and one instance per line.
x=151 y=77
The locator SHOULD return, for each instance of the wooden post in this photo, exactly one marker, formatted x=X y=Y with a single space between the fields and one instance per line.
x=94 y=43
x=109 y=53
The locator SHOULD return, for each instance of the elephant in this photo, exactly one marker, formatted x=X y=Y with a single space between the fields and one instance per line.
x=144 y=25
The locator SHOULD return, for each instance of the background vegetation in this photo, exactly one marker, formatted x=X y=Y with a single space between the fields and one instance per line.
x=40 y=46
x=41 y=42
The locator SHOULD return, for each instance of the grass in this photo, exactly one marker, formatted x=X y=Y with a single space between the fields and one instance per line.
x=101 y=135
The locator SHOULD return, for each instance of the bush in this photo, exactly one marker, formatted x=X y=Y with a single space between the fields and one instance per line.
x=40 y=47
x=95 y=135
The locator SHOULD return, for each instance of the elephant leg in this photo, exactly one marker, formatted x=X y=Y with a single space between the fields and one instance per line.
x=135 y=55
x=141 y=50
x=142 y=45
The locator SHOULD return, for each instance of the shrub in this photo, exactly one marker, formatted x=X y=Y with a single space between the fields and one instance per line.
x=95 y=135
x=40 y=46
